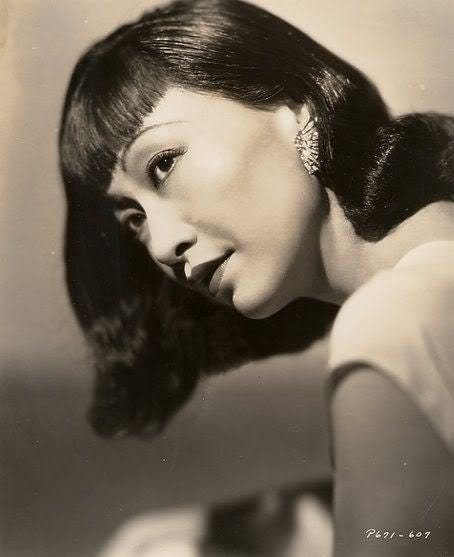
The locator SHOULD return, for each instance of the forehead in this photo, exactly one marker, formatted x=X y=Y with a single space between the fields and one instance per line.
x=179 y=104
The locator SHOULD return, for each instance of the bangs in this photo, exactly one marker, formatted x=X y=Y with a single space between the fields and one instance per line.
x=198 y=46
x=113 y=87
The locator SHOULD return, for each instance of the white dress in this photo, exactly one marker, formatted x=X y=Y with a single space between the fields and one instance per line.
x=401 y=323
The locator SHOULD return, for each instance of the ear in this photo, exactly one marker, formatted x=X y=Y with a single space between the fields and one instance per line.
x=302 y=114
x=294 y=117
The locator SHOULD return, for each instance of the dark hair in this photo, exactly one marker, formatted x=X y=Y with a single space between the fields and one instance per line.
x=151 y=340
x=409 y=165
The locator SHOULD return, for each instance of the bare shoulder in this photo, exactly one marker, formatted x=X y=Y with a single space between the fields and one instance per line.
x=393 y=473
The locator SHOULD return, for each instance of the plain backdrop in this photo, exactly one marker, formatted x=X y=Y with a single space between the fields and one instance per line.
x=62 y=490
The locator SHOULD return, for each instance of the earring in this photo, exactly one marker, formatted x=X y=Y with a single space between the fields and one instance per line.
x=306 y=142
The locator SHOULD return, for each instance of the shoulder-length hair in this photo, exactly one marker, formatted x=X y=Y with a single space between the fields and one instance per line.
x=150 y=339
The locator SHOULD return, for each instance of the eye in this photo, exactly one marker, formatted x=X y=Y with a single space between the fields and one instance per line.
x=133 y=219
x=161 y=165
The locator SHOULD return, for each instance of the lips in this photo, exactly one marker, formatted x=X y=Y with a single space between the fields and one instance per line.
x=208 y=276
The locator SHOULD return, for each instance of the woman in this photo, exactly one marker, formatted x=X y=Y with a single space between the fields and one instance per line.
x=220 y=165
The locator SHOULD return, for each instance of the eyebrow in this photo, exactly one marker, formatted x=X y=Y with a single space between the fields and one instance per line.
x=129 y=144
x=122 y=203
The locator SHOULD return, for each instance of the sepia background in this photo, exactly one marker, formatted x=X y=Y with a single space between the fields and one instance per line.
x=62 y=490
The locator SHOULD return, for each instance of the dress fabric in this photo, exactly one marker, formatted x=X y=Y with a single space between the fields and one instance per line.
x=401 y=323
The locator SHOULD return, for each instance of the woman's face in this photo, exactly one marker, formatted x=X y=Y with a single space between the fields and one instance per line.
x=218 y=194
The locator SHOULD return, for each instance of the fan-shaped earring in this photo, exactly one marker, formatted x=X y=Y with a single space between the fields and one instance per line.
x=306 y=142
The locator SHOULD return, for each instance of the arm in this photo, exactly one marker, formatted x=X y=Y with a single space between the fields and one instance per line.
x=392 y=472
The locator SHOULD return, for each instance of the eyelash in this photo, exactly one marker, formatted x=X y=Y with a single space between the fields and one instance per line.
x=157 y=159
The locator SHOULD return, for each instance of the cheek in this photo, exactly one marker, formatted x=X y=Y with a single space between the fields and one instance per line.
x=247 y=189
x=215 y=193
x=280 y=198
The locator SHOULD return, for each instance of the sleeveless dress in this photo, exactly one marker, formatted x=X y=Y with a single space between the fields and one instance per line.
x=401 y=323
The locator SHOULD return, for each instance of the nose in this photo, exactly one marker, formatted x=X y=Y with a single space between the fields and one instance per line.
x=170 y=238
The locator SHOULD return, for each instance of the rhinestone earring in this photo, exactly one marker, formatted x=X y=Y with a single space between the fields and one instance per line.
x=306 y=142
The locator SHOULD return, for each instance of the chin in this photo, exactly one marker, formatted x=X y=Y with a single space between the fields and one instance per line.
x=255 y=307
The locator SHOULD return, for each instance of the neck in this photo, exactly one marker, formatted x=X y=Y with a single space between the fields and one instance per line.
x=348 y=261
